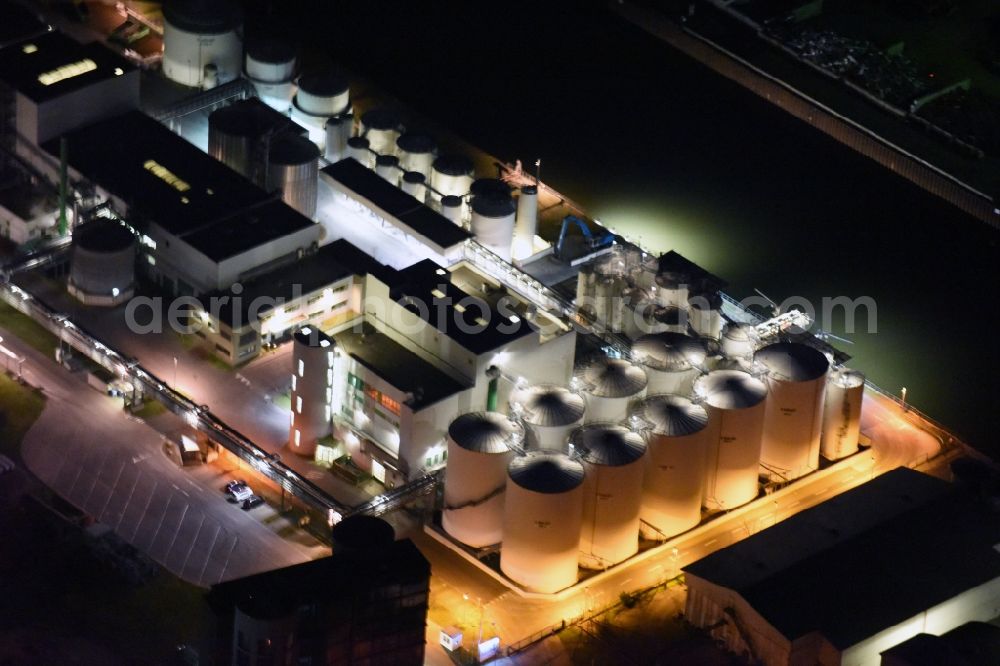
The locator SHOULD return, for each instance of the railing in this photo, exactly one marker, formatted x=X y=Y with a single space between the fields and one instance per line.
x=238 y=88
x=392 y=499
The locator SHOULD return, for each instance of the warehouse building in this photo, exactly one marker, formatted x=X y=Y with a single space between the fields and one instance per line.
x=843 y=582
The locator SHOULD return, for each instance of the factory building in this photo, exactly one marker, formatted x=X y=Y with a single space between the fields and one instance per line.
x=204 y=227
x=845 y=581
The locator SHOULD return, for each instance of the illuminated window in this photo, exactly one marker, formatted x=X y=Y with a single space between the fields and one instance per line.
x=302 y=368
x=298 y=404
x=329 y=377
x=390 y=404
x=327 y=413
x=29 y=48
x=151 y=259
x=293 y=381
x=298 y=437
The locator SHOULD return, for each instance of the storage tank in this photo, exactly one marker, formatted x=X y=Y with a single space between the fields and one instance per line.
x=232 y=135
x=416 y=152
x=735 y=402
x=542 y=520
x=639 y=316
x=551 y=412
x=705 y=313
x=451 y=174
x=645 y=274
x=585 y=287
x=381 y=127
x=451 y=208
x=670 y=318
x=293 y=169
x=671 y=361
x=413 y=184
x=199 y=37
x=793 y=420
x=526 y=223
x=614 y=464
x=609 y=386
x=493 y=221
x=270 y=67
x=338 y=132
x=480 y=446
x=321 y=95
x=357 y=147
x=845 y=392
x=387 y=166
x=672 y=289
x=738 y=340
x=312 y=384
x=102 y=265
x=676 y=432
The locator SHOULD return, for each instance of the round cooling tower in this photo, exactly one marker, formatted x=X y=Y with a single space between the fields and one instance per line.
x=738 y=340
x=550 y=412
x=609 y=385
x=542 y=520
x=480 y=446
x=676 y=432
x=357 y=148
x=845 y=392
x=413 y=184
x=312 y=383
x=735 y=403
x=102 y=265
x=270 y=67
x=416 y=152
x=452 y=174
x=793 y=420
x=381 y=127
x=705 y=311
x=201 y=39
x=493 y=221
x=671 y=361
x=387 y=166
x=672 y=289
x=614 y=466
x=293 y=169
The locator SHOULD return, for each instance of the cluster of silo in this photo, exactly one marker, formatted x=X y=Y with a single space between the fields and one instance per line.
x=270 y=66
x=614 y=466
x=381 y=127
x=845 y=390
x=672 y=361
x=202 y=47
x=796 y=379
x=312 y=382
x=550 y=413
x=451 y=176
x=676 y=432
x=480 y=446
x=102 y=264
x=735 y=402
x=416 y=152
x=609 y=386
x=322 y=95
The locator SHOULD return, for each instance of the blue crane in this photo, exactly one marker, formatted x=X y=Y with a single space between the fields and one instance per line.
x=593 y=242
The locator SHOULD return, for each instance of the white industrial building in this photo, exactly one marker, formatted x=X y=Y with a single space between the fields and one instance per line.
x=845 y=581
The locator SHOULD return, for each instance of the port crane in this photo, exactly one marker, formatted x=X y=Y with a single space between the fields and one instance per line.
x=592 y=241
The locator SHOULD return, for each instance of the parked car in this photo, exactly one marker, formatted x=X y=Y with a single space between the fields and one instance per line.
x=241 y=492
x=252 y=502
x=232 y=484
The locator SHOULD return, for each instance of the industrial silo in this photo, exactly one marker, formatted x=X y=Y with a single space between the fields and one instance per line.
x=671 y=361
x=614 y=466
x=793 y=420
x=585 y=287
x=201 y=40
x=645 y=273
x=672 y=289
x=735 y=402
x=293 y=169
x=738 y=340
x=416 y=152
x=493 y=221
x=102 y=264
x=312 y=383
x=413 y=184
x=705 y=310
x=381 y=127
x=270 y=67
x=232 y=135
x=670 y=319
x=338 y=132
x=609 y=385
x=357 y=148
x=387 y=166
x=845 y=392
x=480 y=446
x=321 y=95
x=526 y=223
x=551 y=412
x=542 y=518
x=451 y=208
x=676 y=432
x=451 y=174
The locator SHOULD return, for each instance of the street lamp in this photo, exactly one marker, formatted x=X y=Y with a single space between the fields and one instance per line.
x=175 y=372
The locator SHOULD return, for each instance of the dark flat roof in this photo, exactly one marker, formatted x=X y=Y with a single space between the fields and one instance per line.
x=246 y=229
x=699 y=277
x=419 y=217
x=19 y=23
x=398 y=366
x=33 y=67
x=864 y=561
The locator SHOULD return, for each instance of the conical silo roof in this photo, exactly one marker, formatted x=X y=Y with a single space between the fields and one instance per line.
x=792 y=361
x=847 y=378
x=607 y=444
x=486 y=432
x=668 y=351
x=548 y=405
x=613 y=378
x=671 y=415
x=546 y=472
x=730 y=389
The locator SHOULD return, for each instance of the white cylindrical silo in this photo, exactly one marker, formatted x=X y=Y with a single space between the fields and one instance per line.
x=321 y=95
x=671 y=361
x=451 y=208
x=102 y=266
x=312 y=386
x=672 y=289
x=845 y=392
x=480 y=446
x=645 y=274
x=270 y=67
x=676 y=432
x=413 y=184
x=387 y=166
x=451 y=174
x=542 y=518
x=793 y=421
x=493 y=222
x=739 y=340
x=526 y=224
x=338 y=132
x=705 y=311
x=585 y=289
x=381 y=127
x=551 y=412
x=416 y=152
x=609 y=386
x=357 y=148
x=671 y=319
x=735 y=402
x=613 y=460
x=200 y=37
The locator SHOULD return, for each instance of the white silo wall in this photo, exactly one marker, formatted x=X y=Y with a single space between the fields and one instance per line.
x=452 y=209
x=496 y=233
x=186 y=54
x=609 y=387
x=680 y=382
x=321 y=103
x=550 y=413
x=387 y=166
x=738 y=341
x=706 y=322
x=526 y=224
x=541 y=528
x=419 y=162
x=338 y=131
x=412 y=183
x=357 y=148
x=263 y=71
x=842 y=414
x=312 y=379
